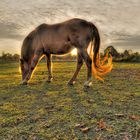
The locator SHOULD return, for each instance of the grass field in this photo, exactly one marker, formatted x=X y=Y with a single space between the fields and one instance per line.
x=54 y=111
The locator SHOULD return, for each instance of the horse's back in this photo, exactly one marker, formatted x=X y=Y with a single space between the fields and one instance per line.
x=75 y=22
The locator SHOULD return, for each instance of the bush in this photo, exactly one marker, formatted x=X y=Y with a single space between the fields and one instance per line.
x=9 y=57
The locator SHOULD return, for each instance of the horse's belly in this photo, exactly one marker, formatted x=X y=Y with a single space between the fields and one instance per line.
x=60 y=48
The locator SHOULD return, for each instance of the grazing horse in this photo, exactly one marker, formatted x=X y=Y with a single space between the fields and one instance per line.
x=59 y=39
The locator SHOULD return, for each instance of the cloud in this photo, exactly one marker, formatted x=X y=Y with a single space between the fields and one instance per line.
x=9 y=30
x=115 y=19
x=129 y=42
x=10 y=45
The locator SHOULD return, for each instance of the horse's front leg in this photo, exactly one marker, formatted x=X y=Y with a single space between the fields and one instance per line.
x=88 y=62
x=50 y=77
x=79 y=65
x=34 y=62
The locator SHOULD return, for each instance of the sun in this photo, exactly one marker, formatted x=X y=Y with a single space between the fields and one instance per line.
x=74 y=52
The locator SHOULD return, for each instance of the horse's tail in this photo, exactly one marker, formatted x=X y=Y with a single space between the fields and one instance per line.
x=99 y=67
x=96 y=45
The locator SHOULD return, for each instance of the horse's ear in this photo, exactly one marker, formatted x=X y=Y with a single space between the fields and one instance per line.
x=21 y=61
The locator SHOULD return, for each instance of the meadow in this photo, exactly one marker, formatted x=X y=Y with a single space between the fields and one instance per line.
x=55 y=111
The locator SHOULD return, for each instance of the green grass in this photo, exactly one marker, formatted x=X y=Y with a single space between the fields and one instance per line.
x=54 y=111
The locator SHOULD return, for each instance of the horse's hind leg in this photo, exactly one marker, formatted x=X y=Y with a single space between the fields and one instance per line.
x=50 y=77
x=88 y=62
x=79 y=65
x=34 y=62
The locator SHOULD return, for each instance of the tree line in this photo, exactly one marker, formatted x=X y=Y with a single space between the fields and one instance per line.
x=126 y=56
x=16 y=57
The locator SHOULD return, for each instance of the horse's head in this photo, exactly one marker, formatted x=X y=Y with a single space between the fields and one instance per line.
x=24 y=68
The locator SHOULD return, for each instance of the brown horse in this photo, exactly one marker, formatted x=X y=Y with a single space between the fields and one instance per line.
x=60 y=39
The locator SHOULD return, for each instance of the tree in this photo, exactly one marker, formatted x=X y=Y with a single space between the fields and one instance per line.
x=16 y=56
x=112 y=51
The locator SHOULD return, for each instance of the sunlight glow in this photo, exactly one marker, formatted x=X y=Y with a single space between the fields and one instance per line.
x=74 y=52
x=19 y=69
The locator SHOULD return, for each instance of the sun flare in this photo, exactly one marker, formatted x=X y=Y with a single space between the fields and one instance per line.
x=74 y=52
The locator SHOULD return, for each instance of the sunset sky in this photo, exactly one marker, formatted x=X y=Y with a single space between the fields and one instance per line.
x=118 y=21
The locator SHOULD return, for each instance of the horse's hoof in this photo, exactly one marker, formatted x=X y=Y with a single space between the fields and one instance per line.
x=23 y=83
x=49 y=80
x=71 y=83
x=87 y=84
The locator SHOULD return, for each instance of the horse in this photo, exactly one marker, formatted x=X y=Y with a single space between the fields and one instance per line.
x=60 y=39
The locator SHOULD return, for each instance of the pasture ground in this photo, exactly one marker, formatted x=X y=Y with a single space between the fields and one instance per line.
x=54 y=111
